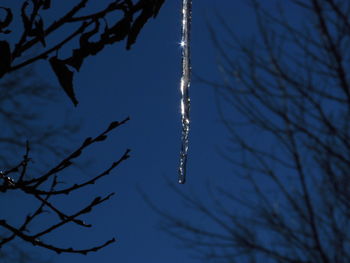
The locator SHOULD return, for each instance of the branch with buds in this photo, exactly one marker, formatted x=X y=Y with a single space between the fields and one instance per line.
x=45 y=186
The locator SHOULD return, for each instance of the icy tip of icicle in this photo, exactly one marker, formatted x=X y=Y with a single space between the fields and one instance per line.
x=182 y=168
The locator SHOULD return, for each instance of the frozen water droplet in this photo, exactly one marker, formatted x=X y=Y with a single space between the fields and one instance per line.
x=36 y=241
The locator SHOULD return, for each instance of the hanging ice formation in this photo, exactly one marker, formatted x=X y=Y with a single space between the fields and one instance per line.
x=184 y=86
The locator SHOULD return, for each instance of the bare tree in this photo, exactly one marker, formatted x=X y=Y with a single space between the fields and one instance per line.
x=285 y=99
x=38 y=40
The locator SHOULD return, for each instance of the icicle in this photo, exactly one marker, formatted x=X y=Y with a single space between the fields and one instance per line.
x=184 y=86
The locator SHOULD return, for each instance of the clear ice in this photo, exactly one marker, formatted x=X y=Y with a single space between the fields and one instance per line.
x=184 y=86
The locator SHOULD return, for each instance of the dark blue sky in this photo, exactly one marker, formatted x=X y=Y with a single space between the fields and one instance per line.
x=143 y=83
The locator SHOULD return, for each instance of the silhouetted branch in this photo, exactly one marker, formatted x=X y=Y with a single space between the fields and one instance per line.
x=134 y=17
x=35 y=187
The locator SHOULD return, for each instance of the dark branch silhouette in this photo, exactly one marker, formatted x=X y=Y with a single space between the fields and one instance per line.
x=35 y=31
x=45 y=186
